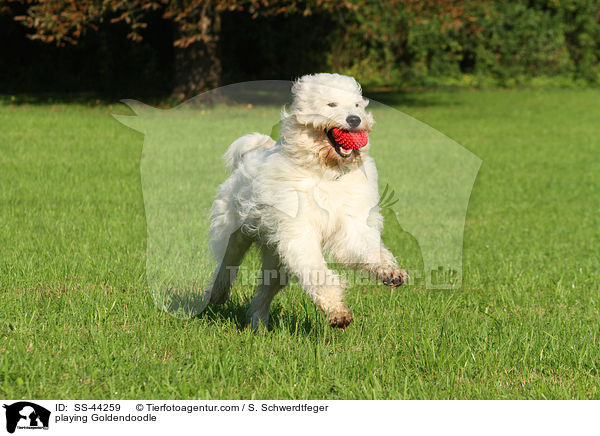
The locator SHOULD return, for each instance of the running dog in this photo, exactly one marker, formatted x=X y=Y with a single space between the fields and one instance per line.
x=313 y=192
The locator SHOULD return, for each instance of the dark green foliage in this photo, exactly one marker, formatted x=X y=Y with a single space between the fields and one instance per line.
x=388 y=42
x=473 y=43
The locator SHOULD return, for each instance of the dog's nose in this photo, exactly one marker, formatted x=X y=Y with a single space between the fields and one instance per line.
x=353 y=120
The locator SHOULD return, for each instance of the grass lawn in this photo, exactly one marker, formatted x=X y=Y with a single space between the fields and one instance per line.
x=77 y=320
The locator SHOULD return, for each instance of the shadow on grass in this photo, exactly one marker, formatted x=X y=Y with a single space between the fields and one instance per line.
x=81 y=99
x=268 y=93
x=258 y=95
x=417 y=98
x=236 y=312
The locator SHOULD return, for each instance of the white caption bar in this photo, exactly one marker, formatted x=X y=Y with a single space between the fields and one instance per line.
x=267 y=417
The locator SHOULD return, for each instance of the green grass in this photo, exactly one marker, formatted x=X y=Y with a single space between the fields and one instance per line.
x=77 y=321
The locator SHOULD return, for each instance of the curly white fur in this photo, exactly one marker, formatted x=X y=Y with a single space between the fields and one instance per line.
x=299 y=198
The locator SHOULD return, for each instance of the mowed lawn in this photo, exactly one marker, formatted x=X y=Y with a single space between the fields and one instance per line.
x=77 y=320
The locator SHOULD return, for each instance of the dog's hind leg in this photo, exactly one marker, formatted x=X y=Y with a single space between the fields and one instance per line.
x=226 y=273
x=273 y=279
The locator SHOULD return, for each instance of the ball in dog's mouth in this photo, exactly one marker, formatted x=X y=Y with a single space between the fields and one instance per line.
x=346 y=141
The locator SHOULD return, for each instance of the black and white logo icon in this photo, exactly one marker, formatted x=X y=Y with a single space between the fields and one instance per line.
x=26 y=415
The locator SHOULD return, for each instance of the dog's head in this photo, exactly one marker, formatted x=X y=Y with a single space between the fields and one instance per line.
x=328 y=119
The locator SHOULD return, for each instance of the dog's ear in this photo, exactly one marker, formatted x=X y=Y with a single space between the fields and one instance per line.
x=366 y=101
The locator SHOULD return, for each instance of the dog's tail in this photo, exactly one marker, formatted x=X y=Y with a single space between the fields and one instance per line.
x=244 y=145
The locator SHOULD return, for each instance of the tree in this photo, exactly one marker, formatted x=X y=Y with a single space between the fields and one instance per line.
x=381 y=41
x=196 y=22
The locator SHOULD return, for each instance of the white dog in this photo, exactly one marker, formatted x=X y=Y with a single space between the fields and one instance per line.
x=312 y=192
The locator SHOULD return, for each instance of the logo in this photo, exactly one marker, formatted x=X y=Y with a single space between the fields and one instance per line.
x=26 y=415
x=429 y=179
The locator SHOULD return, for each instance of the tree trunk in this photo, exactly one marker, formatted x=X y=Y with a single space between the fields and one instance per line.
x=198 y=66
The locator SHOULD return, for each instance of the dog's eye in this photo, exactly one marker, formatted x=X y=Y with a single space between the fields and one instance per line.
x=357 y=105
x=332 y=104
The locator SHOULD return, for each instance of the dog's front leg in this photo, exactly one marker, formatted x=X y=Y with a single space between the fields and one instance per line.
x=301 y=252
x=359 y=245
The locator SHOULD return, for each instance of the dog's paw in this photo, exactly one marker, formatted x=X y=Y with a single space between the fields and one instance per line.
x=393 y=276
x=340 y=318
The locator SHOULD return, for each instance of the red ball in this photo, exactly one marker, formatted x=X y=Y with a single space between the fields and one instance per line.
x=350 y=140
